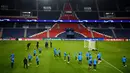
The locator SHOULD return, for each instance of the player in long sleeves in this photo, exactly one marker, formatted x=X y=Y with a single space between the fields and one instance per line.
x=124 y=61
x=90 y=63
x=34 y=52
x=12 y=62
x=94 y=64
x=40 y=50
x=99 y=57
x=59 y=52
x=90 y=56
x=75 y=55
x=37 y=60
x=69 y=58
x=80 y=58
x=29 y=58
x=54 y=52
x=87 y=55
x=65 y=54
x=12 y=59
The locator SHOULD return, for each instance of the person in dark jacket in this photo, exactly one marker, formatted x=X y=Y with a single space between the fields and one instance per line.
x=25 y=63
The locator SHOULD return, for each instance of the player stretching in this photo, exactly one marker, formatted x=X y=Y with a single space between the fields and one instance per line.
x=90 y=64
x=124 y=61
x=80 y=58
x=65 y=56
x=99 y=57
x=94 y=64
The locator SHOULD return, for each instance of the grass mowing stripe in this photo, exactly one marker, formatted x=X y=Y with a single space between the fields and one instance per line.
x=112 y=66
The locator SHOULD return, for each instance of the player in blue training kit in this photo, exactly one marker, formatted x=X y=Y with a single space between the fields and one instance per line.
x=54 y=52
x=37 y=61
x=34 y=52
x=29 y=58
x=59 y=53
x=69 y=58
x=87 y=55
x=124 y=61
x=90 y=63
x=65 y=54
x=12 y=55
x=99 y=57
x=80 y=53
x=94 y=64
x=80 y=58
x=40 y=50
x=75 y=55
x=90 y=56
x=12 y=62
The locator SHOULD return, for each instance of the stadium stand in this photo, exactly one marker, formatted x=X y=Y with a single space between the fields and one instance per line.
x=49 y=15
x=105 y=32
x=122 y=33
x=13 y=33
x=31 y=32
x=87 y=15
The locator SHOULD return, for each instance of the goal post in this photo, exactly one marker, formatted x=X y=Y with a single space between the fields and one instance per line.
x=90 y=44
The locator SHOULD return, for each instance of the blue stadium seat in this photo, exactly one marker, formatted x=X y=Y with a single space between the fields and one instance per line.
x=104 y=31
x=31 y=32
x=13 y=33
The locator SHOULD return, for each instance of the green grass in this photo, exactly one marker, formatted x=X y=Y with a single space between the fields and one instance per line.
x=112 y=52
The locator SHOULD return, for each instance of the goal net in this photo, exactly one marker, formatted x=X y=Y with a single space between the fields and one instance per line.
x=90 y=44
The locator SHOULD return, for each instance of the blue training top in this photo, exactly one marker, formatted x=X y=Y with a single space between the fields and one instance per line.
x=79 y=57
x=95 y=62
x=124 y=59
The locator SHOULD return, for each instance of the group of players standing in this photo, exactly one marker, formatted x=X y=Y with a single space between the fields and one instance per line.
x=57 y=53
x=27 y=61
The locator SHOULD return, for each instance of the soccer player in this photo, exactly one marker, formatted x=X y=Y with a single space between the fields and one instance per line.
x=37 y=45
x=65 y=54
x=55 y=52
x=87 y=55
x=12 y=55
x=12 y=62
x=80 y=53
x=28 y=45
x=29 y=58
x=90 y=63
x=40 y=50
x=99 y=57
x=46 y=44
x=80 y=58
x=124 y=61
x=25 y=63
x=37 y=61
x=34 y=52
x=75 y=55
x=59 y=53
x=69 y=58
x=94 y=64
x=50 y=44
x=90 y=56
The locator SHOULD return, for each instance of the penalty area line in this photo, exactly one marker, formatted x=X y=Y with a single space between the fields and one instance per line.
x=113 y=66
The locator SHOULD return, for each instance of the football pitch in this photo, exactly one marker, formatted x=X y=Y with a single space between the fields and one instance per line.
x=112 y=52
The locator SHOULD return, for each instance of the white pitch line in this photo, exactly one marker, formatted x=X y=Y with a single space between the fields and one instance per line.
x=113 y=66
